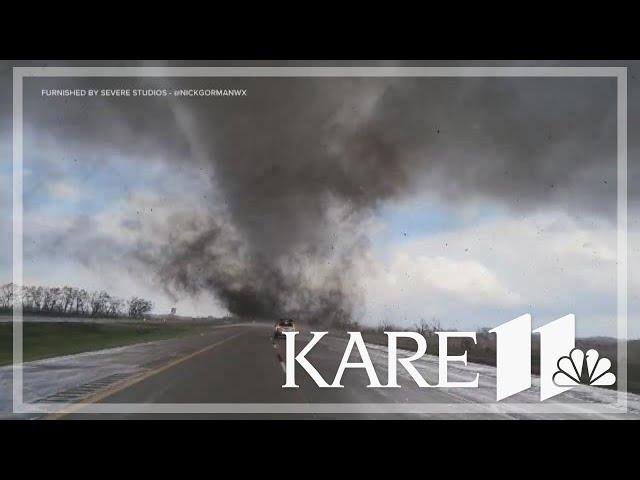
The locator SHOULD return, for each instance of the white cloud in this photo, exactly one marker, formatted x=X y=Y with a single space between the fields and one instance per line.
x=63 y=190
x=468 y=278
x=546 y=264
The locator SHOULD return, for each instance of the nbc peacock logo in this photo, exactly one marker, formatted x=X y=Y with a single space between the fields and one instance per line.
x=580 y=368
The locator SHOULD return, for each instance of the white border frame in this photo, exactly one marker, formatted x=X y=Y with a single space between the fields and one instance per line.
x=620 y=73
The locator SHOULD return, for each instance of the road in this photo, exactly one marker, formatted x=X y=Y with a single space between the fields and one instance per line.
x=244 y=365
x=237 y=372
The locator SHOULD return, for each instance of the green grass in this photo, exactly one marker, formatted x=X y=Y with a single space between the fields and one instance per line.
x=49 y=339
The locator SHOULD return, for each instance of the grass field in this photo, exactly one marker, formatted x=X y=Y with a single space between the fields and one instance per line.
x=49 y=339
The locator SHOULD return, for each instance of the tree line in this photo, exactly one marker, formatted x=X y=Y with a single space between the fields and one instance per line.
x=71 y=301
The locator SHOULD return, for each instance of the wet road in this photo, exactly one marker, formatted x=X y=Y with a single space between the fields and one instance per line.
x=242 y=369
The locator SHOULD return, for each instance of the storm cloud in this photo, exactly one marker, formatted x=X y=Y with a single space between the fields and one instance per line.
x=300 y=165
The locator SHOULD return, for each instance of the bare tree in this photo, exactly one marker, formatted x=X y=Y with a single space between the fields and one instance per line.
x=67 y=298
x=99 y=301
x=81 y=301
x=6 y=296
x=115 y=307
x=55 y=299
x=37 y=297
x=426 y=328
x=138 y=307
x=71 y=301
x=386 y=326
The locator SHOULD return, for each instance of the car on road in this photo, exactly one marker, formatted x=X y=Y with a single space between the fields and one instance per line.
x=283 y=325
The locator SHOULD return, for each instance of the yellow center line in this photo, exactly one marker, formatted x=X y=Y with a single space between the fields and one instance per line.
x=108 y=391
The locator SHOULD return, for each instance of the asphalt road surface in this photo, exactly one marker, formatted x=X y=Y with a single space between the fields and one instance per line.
x=238 y=372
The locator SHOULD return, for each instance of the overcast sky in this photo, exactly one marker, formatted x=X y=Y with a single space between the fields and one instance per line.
x=469 y=201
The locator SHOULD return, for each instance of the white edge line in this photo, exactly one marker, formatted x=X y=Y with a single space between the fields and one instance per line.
x=448 y=408
x=528 y=71
x=17 y=273
x=622 y=220
x=18 y=72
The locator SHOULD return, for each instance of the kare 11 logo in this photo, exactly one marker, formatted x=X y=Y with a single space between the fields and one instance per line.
x=562 y=366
